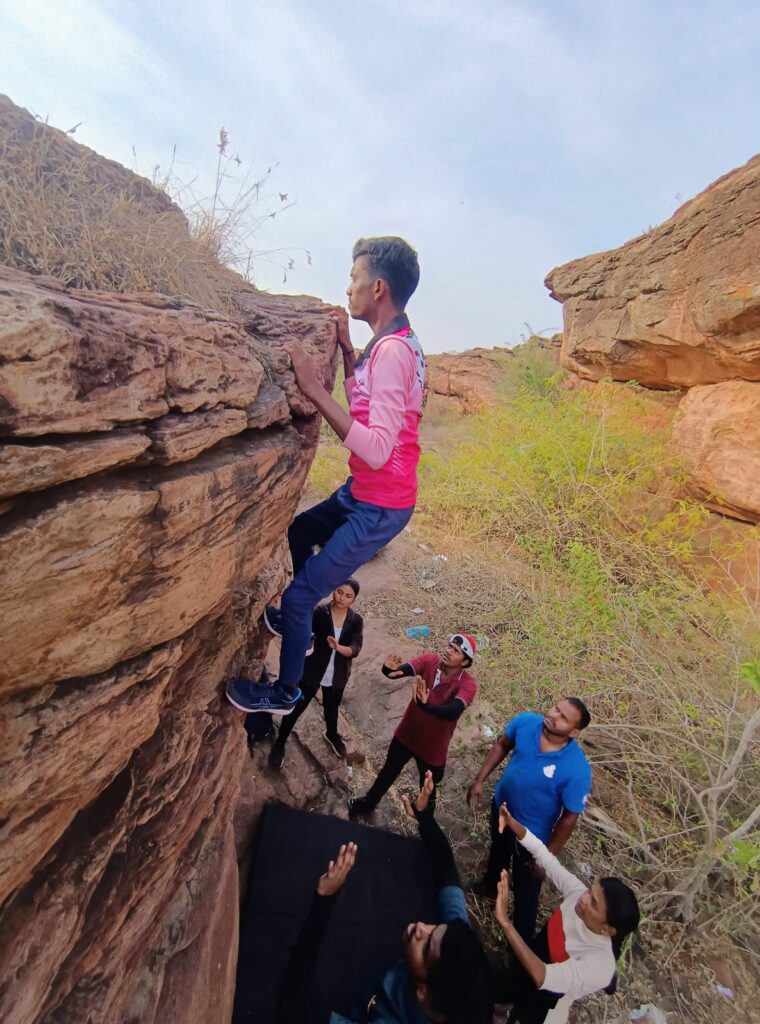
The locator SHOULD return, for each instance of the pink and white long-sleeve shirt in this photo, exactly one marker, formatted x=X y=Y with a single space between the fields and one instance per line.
x=385 y=402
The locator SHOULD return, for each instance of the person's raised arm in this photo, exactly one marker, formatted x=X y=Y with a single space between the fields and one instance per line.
x=435 y=842
x=534 y=965
x=447 y=712
x=391 y=377
x=312 y=387
x=340 y=318
x=297 y=986
x=493 y=758
x=395 y=668
x=567 y=883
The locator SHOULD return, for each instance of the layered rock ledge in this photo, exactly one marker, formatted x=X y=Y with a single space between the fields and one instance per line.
x=675 y=307
x=152 y=454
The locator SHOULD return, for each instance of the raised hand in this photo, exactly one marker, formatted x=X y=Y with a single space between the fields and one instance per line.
x=392 y=663
x=421 y=690
x=507 y=821
x=340 y=317
x=423 y=797
x=332 y=643
x=304 y=368
x=504 y=818
x=338 y=870
x=501 y=907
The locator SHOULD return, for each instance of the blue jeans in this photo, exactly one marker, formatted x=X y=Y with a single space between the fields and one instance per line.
x=348 y=533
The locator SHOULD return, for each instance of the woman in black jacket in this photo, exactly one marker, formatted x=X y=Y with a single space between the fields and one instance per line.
x=338 y=636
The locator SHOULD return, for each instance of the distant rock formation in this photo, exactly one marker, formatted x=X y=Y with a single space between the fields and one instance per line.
x=152 y=454
x=466 y=380
x=678 y=306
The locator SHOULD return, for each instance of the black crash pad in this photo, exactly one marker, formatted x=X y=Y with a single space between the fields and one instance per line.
x=390 y=886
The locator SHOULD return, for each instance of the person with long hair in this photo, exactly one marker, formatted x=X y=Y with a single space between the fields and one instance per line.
x=575 y=953
x=338 y=638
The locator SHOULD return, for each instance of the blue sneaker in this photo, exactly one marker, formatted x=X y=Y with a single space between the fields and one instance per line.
x=252 y=697
x=273 y=620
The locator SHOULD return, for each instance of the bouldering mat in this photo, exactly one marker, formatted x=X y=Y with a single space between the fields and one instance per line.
x=390 y=885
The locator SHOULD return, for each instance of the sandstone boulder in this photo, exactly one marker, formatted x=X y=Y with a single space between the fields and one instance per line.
x=465 y=381
x=677 y=306
x=33 y=466
x=153 y=453
x=717 y=433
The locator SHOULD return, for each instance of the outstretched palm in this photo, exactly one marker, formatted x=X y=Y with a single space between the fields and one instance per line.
x=501 y=907
x=337 y=870
x=423 y=798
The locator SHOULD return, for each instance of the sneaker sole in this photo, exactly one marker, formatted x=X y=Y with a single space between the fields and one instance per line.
x=270 y=627
x=279 y=712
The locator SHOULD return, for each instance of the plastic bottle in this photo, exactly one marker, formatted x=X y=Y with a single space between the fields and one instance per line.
x=417 y=632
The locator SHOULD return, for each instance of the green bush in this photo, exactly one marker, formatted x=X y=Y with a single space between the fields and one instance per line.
x=587 y=579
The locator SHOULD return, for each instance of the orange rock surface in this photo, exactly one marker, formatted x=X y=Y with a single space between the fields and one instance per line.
x=717 y=433
x=678 y=306
x=154 y=454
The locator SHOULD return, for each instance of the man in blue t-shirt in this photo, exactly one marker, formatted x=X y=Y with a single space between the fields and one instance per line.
x=545 y=785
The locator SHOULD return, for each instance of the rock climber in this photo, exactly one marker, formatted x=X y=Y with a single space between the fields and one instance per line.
x=384 y=390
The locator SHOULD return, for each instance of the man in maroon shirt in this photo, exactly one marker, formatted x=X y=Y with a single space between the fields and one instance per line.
x=441 y=691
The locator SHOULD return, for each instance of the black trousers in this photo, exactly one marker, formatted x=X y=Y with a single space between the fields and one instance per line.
x=507 y=853
x=331 y=701
x=512 y=984
x=397 y=757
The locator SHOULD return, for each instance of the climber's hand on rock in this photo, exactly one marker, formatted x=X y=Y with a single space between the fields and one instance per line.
x=340 y=318
x=304 y=369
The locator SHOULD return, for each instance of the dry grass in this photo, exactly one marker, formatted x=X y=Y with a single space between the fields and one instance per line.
x=71 y=214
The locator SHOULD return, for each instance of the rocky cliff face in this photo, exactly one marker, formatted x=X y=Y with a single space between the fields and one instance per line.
x=717 y=432
x=678 y=306
x=151 y=456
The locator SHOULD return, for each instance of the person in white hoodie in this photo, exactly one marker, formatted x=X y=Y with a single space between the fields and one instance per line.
x=575 y=953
